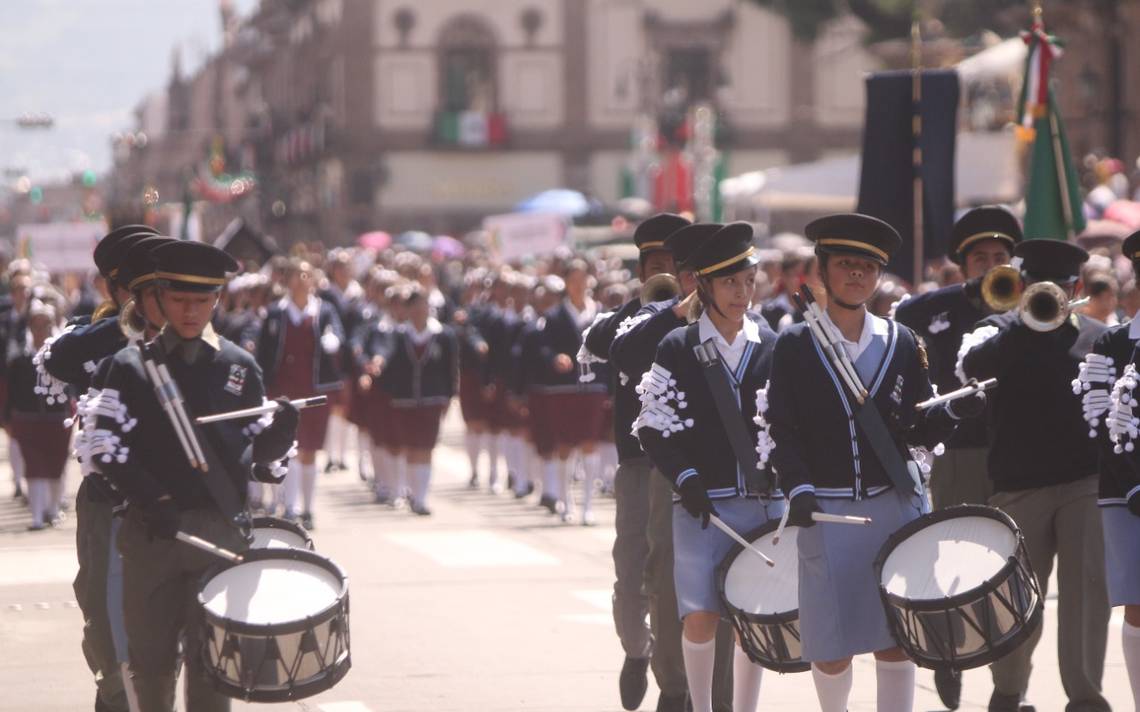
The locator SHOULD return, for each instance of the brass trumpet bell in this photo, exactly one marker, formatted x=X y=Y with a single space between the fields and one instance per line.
x=660 y=287
x=1002 y=288
x=1045 y=306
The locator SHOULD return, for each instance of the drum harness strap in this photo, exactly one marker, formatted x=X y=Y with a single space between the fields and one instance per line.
x=726 y=397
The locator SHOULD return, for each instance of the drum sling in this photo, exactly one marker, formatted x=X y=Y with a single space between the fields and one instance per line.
x=726 y=397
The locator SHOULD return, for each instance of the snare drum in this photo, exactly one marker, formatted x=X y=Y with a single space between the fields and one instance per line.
x=958 y=587
x=275 y=626
x=275 y=533
x=763 y=601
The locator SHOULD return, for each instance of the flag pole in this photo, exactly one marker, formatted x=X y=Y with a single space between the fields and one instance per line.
x=916 y=127
x=1055 y=134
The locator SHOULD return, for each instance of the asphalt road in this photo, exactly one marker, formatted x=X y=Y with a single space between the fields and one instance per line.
x=490 y=604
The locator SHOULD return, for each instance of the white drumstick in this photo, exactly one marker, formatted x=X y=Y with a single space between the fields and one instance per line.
x=783 y=522
x=207 y=546
x=825 y=518
x=738 y=539
x=299 y=404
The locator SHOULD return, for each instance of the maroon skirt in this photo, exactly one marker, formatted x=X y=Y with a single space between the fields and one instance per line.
x=417 y=426
x=45 y=445
x=380 y=421
x=576 y=418
x=472 y=402
x=541 y=427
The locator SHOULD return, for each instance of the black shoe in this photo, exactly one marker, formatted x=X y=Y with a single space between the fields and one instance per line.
x=549 y=502
x=307 y=521
x=633 y=682
x=527 y=492
x=421 y=510
x=1000 y=702
x=473 y=483
x=330 y=466
x=949 y=686
x=510 y=481
x=671 y=703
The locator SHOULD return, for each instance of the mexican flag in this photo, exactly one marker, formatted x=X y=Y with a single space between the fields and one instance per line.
x=1052 y=194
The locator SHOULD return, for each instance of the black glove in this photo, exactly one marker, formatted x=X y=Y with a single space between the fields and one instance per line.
x=803 y=504
x=274 y=442
x=970 y=406
x=162 y=518
x=695 y=500
x=1134 y=502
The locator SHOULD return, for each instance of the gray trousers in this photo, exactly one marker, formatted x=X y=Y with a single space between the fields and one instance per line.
x=94 y=550
x=1062 y=521
x=961 y=476
x=667 y=661
x=631 y=551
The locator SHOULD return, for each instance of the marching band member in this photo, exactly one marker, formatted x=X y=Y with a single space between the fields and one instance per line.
x=68 y=361
x=1043 y=467
x=825 y=463
x=631 y=353
x=143 y=458
x=631 y=483
x=687 y=430
x=298 y=351
x=41 y=430
x=1106 y=385
x=982 y=239
x=422 y=368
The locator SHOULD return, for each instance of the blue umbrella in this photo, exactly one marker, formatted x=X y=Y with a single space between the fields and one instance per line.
x=561 y=201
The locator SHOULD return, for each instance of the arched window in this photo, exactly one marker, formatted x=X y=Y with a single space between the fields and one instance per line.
x=467 y=76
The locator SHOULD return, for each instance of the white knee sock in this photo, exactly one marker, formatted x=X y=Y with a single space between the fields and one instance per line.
x=494 y=443
x=37 y=490
x=593 y=466
x=1130 y=640
x=832 y=690
x=471 y=442
x=16 y=458
x=745 y=682
x=895 y=685
x=308 y=486
x=381 y=472
x=332 y=438
x=421 y=481
x=364 y=454
x=291 y=489
x=401 y=478
x=550 y=480
x=609 y=463
x=55 y=496
x=253 y=491
x=566 y=484
x=699 y=660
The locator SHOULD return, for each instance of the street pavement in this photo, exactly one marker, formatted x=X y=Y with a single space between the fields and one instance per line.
x=490 y=604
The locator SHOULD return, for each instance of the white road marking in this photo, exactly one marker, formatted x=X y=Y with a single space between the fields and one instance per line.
x=601 y=598
x=22 y=566
x=472 y=548
x=344 y=707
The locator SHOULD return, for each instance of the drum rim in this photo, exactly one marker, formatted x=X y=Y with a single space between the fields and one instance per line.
x=267 y=522
x=955 y=512
x=722 y=576
x=315 y=686
x=336 y=608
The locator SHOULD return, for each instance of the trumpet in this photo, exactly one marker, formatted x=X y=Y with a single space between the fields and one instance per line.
x=660 y=287
x=1002 y=288
x=1044 y=306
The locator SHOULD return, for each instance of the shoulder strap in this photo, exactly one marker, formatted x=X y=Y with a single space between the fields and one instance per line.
x=727 y=406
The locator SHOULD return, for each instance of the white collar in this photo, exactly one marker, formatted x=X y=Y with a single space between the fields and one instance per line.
x=707 y=330
x=420 y=337
x=872 y=326
x=312 y=308
x=1134 y=327
x=585 y=317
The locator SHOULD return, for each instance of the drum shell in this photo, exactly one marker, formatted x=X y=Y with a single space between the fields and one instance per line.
x=914 y=622
x=284 y=525
x=779 y=632
x=329 y=626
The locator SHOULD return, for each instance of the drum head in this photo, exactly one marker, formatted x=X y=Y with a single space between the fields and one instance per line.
x=948 y=557
x=274 y=533
x=269 y=591
x=758 y=589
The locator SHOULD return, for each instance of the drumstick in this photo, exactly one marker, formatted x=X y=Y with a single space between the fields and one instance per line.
x=299 y=404
x=738 y=539
x=207 y=546
x=825 y=518
x=960 y=393
x=783 y=523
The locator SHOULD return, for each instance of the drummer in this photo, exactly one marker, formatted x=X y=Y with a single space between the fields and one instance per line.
x=826 y=463
x=688 y=438
x=1119 y=490
x=166 y=495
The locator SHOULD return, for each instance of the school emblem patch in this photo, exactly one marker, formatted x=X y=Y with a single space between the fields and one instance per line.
x=236 y=382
